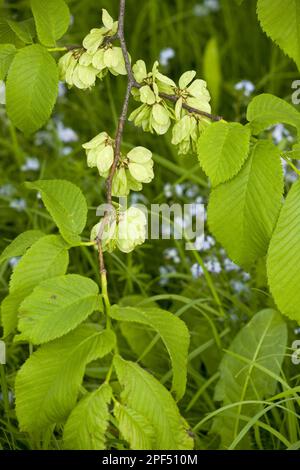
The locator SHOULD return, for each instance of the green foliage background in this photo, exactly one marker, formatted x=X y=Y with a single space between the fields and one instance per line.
x=225 y=45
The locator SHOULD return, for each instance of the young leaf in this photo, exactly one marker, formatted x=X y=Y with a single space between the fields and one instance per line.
x=57 y=306
x=32 y=87
x=284 y=256
x=222 y=149
x=52 y=19
x=66 y=204
x=20 y=244
x=149 y=398
x=260 y=344
x=48 y=257
x=134 y=428
x=172 y=331
x=7 y=53
x=280 y=20
x=267 y=110
x=242 y=212
x=86 y=426
x=47 y=385
x=25 y=30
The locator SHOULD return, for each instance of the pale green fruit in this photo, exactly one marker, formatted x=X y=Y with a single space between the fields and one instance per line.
x=182 y=130
x=85 y=59
x=110 y=58
x=105 y=159
x=139 y=71
x=64 y=63
x=198 y=89
x=142 y=172
x=131 y=229
x=119 y=184
x=141 y=114
x=93 y=40
x=96 y=141
x=107 y=19
x=108 y=236
x=160 y=114
x=165 y=80
x=75 y=80
x=98 y=60
x=186 y=79
x=178 y=108
x=199 y=103
x=92 y=156
x=70 y=72
x=163 y=83
x=133 y=184
x=147 y=95
x=160 y=119
x=139 y=155
x=114 y=60
x=184 y=147
x=67 y=64
x=87 y=75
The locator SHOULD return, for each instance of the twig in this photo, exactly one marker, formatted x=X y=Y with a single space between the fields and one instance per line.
x=131 y=83
x=119 y=133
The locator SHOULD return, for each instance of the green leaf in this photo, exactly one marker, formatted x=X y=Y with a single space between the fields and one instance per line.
x=52 y=18
x=25 y=30
x=212 y=70
x=134 y=428
x=66 y=205
x=32 y=87
x=7 y=53
x=7 y=35
x=149 y=398
x=280 y=20
x=48 y=257
x=86 y=426
x=20 y=244
x=47 y=385
x=222 y=149
x=242 y=212
x=173 y=333
x=9 y=311
x=57 y=306
x=261 y=343
x=284 y=256
x=267 y=110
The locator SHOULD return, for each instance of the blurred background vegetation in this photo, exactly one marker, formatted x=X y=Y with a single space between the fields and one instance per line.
x=224 y=43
